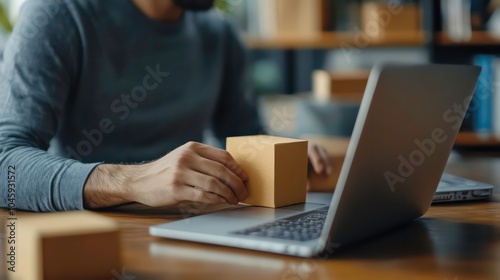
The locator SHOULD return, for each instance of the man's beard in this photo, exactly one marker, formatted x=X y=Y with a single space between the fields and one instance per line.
x=195 y=5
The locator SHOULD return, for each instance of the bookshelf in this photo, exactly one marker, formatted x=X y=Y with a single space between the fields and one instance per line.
x=479 y=38
x=471 y=139
x=443 y=49
x=332 y=40
x=431 y=38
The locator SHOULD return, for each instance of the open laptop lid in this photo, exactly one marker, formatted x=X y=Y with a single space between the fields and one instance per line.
x=405 y=129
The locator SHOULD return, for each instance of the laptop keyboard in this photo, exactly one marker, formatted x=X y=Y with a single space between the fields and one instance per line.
x=302 y=227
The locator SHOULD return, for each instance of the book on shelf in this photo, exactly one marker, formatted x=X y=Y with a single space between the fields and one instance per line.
x=483 y=114
x=482 y=109
x=496 y=97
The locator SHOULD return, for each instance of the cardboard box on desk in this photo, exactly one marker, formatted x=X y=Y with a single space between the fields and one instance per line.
x=276 y=167
x=69 y=245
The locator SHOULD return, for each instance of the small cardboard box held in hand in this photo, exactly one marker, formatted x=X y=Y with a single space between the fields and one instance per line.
x=69 y=245
x=276 y=168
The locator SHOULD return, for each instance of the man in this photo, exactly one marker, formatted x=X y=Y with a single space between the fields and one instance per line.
x=92 y=89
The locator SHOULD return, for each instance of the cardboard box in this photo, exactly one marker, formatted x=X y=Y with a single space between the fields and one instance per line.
x=298 y=18
x=381 y=20
x=340 y=85
x=69 y=245
x=276 y=167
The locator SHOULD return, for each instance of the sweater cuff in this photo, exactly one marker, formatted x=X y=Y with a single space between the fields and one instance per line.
x=71 y=186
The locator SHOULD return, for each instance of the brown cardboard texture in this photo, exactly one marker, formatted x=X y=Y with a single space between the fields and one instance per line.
x=380 y=20
x=69 y=245
x=276 y=168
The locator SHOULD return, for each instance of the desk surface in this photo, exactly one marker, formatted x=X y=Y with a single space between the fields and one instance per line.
x=452 y=241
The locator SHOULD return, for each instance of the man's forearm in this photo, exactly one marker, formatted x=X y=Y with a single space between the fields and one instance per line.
x=108 y=185
x=193 y=172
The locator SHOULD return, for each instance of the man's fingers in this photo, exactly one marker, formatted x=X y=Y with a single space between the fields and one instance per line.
x=222 y=157
x=319 y=159
x=315 y=159
x=212 y=185
x=199 y=195
x=326 y=160
x=223 y=174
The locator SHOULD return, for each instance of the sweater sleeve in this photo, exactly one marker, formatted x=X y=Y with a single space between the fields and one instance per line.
x=236 y=112
x=39 y=69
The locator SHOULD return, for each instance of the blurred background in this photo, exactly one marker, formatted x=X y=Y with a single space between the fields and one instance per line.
x=310 y=59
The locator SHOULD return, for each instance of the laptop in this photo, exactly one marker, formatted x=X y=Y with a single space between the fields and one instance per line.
x=404 y=133
x=453 y=189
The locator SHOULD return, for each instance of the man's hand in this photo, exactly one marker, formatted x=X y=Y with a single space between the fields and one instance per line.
x=192 y=172
x=319 y=160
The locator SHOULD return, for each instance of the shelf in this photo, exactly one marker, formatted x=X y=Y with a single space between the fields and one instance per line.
x=479 y=38
x=327 y=40
x=472 y=139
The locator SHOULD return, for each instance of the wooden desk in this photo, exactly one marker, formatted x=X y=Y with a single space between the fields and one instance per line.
x=452 y=241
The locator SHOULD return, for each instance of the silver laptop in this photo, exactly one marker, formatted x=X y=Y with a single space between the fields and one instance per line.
x=453 y=189
x=404 y=132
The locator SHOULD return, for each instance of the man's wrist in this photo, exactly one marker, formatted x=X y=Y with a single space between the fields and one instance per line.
x=108 y=185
